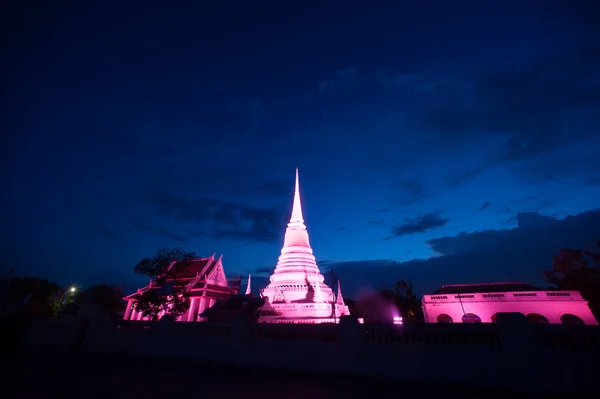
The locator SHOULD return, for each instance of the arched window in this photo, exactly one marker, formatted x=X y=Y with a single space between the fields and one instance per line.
x=536 y=318
x=571 y=319
x=444 y=318
x=495 y=318
x=471 y=318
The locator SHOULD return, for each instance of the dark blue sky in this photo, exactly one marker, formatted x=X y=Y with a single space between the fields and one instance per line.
x=439 y=141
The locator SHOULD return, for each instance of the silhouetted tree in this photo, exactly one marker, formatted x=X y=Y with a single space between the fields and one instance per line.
x=577 y=269
x=64 y=302
x=32 y=296
x=405 y=299
x=105 y=299
x=24 y=298
x=157 y=265
x=152 y=302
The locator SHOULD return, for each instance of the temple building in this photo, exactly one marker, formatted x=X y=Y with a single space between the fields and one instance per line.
x=297 y=292
x=203 y=279
x=480 y=303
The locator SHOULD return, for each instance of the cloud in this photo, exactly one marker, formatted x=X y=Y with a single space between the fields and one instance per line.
x=528 y=223
x=416 y=82
x=419 y=224
x=521 y=253
x=533 y=107
x=411 y=192
x=504 y=210
x=163 y=233
x=484 y=206
x=578 y=159
x=376 y=222
x=344 y=77
x=464 y=177
x=592 y=181
x=219 y=219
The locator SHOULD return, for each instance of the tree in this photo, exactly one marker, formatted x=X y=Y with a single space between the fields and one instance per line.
x=579 y=270
x=153 y=302
x=64 y=302
x=157 y=265
x=405 y=299
x=101 y=299
x=32 y=296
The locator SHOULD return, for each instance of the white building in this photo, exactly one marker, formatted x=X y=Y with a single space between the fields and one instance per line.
x=479 y=303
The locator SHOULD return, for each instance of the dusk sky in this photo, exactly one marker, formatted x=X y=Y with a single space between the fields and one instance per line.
x=438 y=141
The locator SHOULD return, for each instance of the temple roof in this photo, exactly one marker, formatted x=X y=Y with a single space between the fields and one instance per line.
x=193 y=275
x=190 y=268
x=485 y=287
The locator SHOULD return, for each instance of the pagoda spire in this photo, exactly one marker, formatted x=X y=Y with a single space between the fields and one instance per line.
x=296 y=217
x=248 y=287
x=340 y=299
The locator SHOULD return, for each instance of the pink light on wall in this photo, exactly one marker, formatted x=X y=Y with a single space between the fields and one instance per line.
x=554 y=307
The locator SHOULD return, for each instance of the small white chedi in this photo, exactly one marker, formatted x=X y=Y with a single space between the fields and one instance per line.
x=297 y=292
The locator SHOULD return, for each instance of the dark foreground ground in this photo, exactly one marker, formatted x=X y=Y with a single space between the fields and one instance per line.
x=60 y=375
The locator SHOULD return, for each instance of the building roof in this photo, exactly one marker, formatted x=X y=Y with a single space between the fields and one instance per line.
x=485 y=287
x=189 y=268
x=204 y=273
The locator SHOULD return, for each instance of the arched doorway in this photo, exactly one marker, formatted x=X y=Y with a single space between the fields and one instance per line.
x=495 y=318
x=536 y=318
x=444 y=318
x=568 y=318
x=471 y=318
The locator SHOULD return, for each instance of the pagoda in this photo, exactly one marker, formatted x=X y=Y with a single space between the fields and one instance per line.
x=297 y=292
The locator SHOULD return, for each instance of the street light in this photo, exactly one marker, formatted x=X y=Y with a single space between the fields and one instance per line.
x=67 y=295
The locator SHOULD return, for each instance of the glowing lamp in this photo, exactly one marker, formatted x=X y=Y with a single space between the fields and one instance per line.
x=397 y=320
x=72 y=289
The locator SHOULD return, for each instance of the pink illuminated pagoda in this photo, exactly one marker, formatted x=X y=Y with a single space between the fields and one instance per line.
x=297 y=292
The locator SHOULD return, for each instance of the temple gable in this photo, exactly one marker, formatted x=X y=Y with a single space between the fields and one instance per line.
x=217 y=273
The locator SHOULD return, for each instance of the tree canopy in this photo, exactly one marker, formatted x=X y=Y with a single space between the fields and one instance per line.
x=377 y=306
x=37 y=296
x=106 y=299
x=152 y=303
x=578 y=269
x=156 y=265
x=405 y=299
